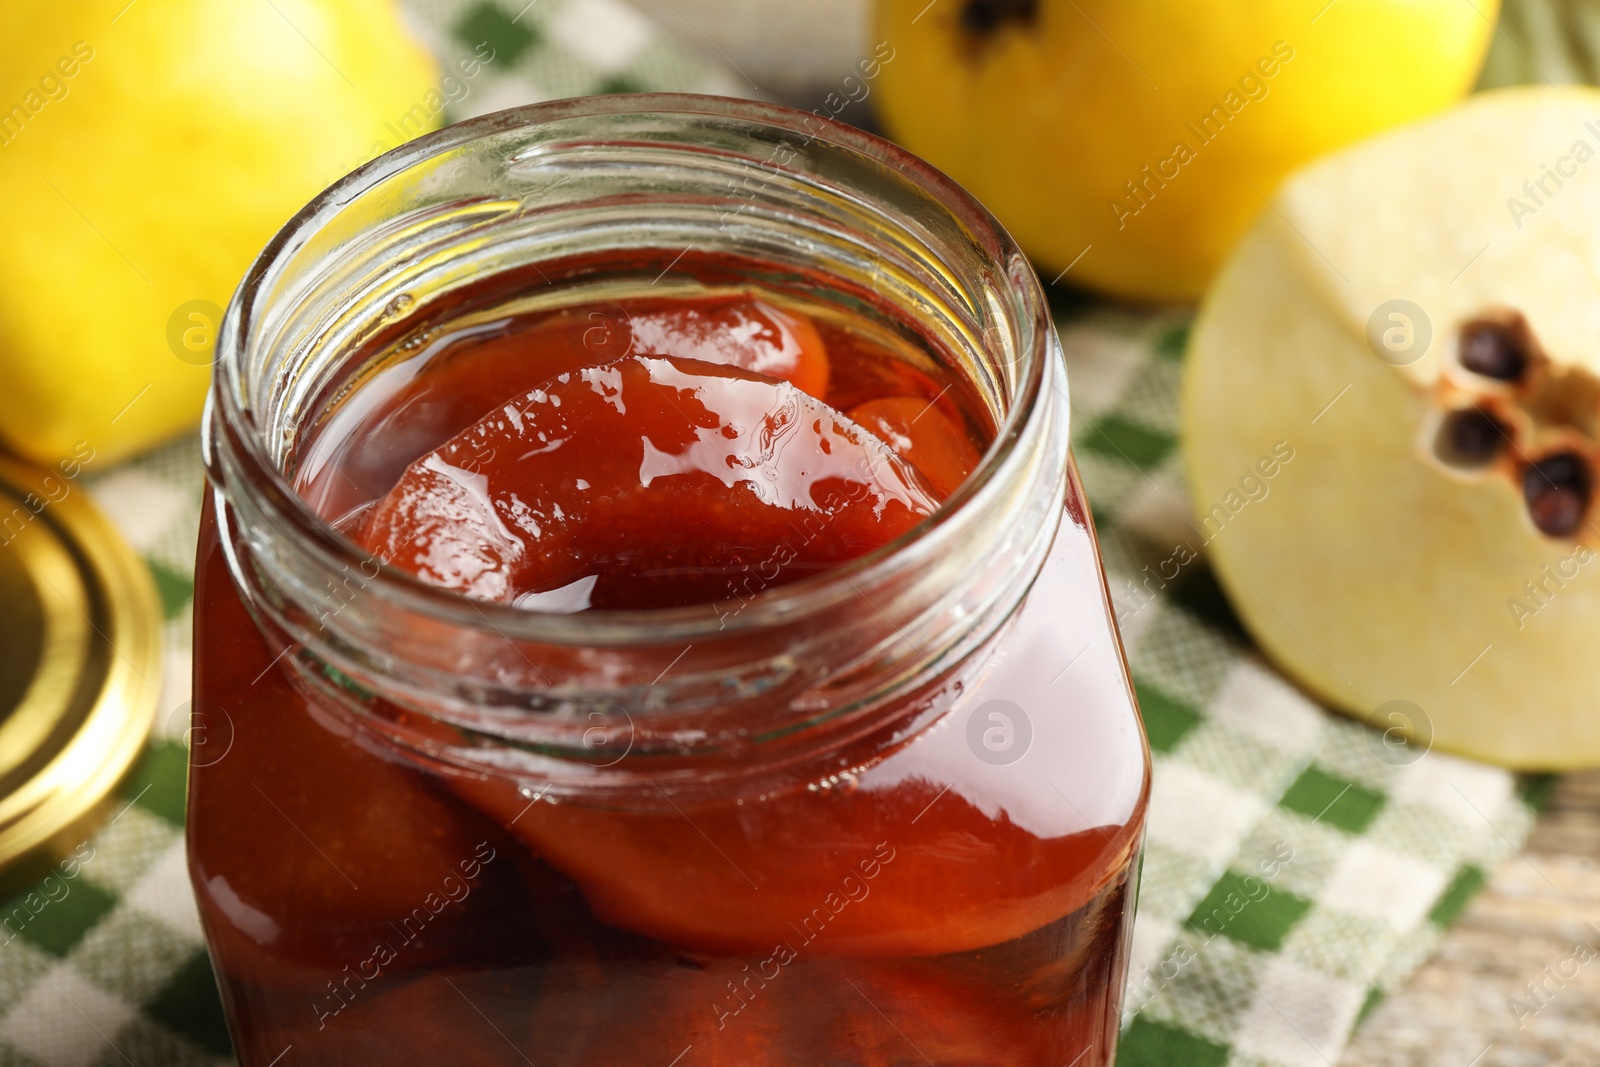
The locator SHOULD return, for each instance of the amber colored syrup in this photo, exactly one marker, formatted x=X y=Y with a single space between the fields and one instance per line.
x=938 y=910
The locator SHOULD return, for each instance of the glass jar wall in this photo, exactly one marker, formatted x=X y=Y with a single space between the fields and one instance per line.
x=884 y=808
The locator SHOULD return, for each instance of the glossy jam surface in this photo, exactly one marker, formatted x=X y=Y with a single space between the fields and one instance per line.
x=936 y=904
x=641 y=454
x=639 y=484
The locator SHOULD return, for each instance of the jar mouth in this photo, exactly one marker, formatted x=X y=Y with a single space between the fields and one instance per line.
x=233 y=423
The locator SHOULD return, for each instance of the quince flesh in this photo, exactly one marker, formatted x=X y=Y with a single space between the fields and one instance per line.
x=186 y=133
x=1047 y=110
x=1432 y=539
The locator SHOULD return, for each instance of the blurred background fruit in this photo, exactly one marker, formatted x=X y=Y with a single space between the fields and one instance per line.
x=1143 y=135
x=1415 y=323
x=147 y=152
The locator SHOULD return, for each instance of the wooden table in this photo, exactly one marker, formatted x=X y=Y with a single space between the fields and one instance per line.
x=1454 y=1012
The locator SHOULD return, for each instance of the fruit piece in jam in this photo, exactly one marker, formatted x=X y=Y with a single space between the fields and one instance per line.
x=924 y=435
x=636 y=484
x=443 y=380
x=744 y=332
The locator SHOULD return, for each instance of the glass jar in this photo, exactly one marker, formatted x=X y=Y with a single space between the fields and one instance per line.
x=887 y=814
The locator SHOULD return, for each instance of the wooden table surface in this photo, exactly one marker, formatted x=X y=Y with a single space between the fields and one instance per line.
x=1455 y=1011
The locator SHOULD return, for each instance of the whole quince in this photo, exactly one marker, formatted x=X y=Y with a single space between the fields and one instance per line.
x=1133 y=141
x=148 y=150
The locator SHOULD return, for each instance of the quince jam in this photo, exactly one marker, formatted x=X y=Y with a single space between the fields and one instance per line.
x=648 y=447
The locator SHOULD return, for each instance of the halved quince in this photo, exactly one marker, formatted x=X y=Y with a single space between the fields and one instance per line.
x=1415 y=325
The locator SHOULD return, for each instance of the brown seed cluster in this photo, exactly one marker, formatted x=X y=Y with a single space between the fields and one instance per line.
x=1507 y=412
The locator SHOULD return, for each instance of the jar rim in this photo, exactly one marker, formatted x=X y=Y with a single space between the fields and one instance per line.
x=1024 y=301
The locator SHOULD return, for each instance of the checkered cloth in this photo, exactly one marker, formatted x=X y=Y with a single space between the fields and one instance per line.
x=1297 y=866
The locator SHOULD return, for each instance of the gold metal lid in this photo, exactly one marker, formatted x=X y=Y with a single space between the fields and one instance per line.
x=80 y=656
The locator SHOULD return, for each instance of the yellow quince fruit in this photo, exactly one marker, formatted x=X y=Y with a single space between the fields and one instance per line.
x=1391 y=421
x=1127 y=144
x=148 y=150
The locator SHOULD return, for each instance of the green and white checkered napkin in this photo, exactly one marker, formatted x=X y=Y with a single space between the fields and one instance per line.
x=1296 y=867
